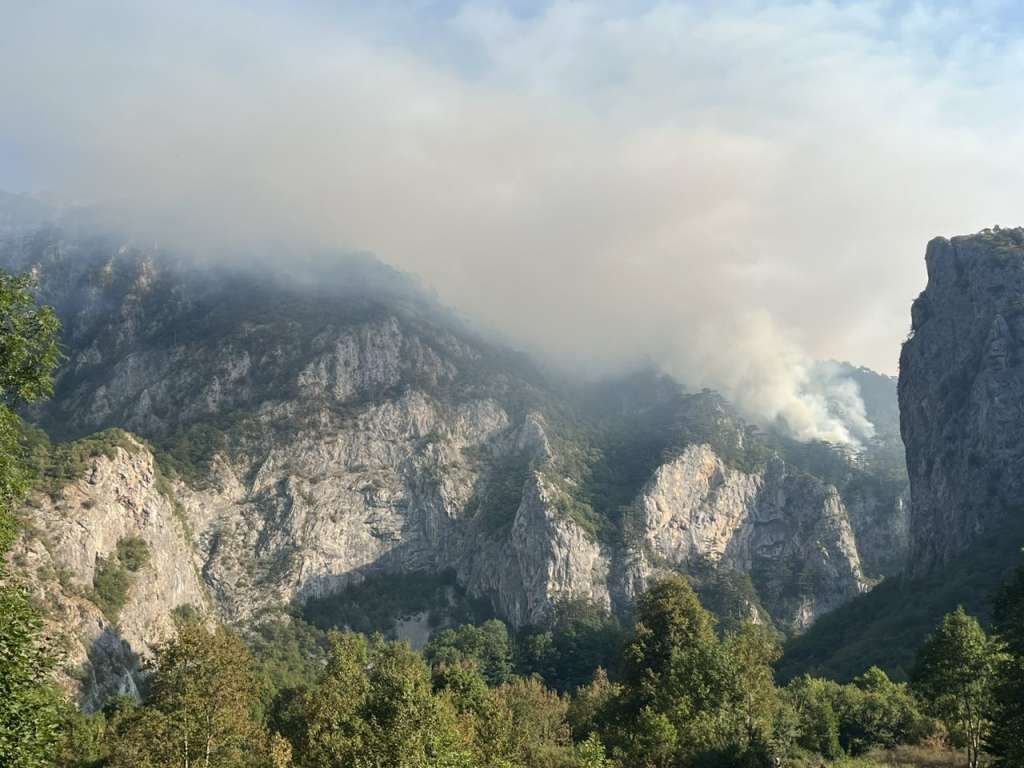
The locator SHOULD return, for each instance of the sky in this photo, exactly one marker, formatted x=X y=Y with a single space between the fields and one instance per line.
x=730 y=189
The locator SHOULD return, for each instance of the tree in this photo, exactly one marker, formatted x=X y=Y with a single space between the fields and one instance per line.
x=954 y=677
x=537 y=715
x=649 y=741
x=83 y=739
x=876 y=712
x=487 y=646
x=753 y=703
x=670 y=621
x=817 y=728
x=579 y=638
x=871 y=712
x=592 y=704
x=331 y=723
x=1006 y=740
x=202 y=709
x=29 y=707
x=684 y=695
x=374 y=707
x=590 y=753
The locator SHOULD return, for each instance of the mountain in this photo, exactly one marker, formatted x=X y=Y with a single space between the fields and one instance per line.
x=245 y=442
x=961 y=389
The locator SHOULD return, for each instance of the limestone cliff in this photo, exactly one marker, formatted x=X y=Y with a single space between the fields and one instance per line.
x=68 y=539
x=961 y=389
x=779 y=525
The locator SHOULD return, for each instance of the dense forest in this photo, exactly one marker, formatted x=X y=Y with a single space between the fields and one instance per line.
x=674 y=688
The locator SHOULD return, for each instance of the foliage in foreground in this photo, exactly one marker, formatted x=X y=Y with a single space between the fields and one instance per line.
x=1006 y=738
x=684 y=696
x=28 y=706
x=955 y=675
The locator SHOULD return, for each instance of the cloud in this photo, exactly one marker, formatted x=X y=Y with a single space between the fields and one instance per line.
x=732 y=189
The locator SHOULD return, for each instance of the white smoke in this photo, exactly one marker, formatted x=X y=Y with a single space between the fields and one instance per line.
x=732 y=190
x=771 y=379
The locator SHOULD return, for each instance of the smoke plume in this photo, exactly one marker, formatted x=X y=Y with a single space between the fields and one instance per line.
x=732 y=190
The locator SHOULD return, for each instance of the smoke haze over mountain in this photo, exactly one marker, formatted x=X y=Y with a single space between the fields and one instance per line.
x=732 y=190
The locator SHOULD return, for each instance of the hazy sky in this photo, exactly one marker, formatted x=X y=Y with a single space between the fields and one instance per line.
x=729 y=188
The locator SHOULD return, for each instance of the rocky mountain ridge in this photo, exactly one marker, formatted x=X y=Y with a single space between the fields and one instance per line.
x=301 y=439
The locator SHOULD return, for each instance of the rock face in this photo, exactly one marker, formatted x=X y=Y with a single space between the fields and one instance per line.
x=779 y=525
x=311 y=436
x=71 y=535
x=961 y=392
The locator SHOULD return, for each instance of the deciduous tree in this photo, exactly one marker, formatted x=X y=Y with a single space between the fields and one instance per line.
x=202 y=709
x=29 y=707
x=955 y=676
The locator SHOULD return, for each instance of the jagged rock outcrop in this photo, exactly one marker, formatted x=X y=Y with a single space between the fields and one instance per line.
x=73 y=534
x=779 y=525
x=961 y=388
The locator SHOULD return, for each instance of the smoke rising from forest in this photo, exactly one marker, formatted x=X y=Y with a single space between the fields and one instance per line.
x=731 y=190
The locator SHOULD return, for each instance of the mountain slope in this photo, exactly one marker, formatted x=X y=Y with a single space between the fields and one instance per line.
x=313 y=430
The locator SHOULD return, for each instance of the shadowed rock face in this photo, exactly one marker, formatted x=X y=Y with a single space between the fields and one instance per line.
x=961 y=394
x=323 y=436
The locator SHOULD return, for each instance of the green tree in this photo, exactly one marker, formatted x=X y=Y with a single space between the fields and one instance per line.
x=876 y=712
x=813 y=701
x=537 y=715
x=1006 y=740
x=485 y=720
x=487 y=646
x=649 y=740
x=201 y=710
x=871 y=712
x=592 y=705
x=374 y=707
x=680 y=682
x=955 y=676
x=290 y=657
x=29 y=707
x=332 y=729
x=579 y=638
x=83 y=742
x=753 y=705
x=590 y=753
